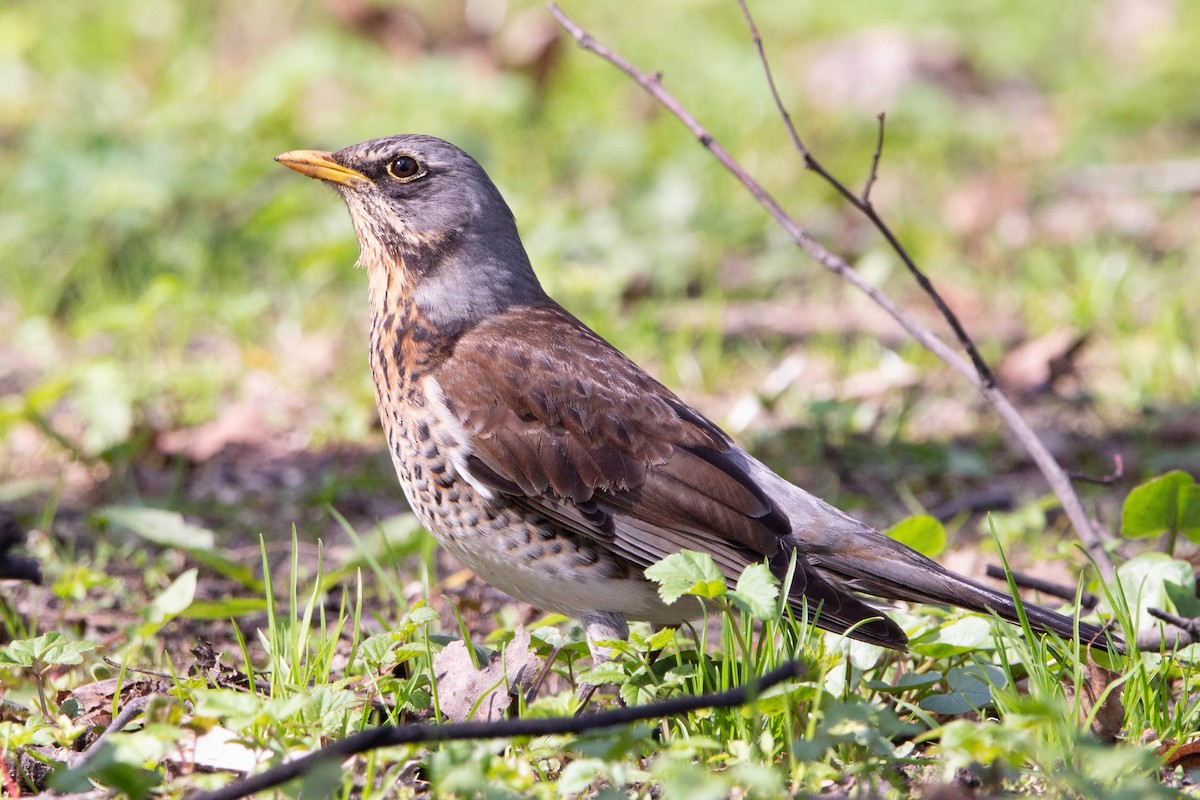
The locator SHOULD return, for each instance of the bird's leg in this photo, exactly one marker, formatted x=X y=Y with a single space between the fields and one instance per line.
x=600 y=626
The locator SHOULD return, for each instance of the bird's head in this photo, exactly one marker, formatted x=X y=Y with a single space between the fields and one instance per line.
x=426 y=213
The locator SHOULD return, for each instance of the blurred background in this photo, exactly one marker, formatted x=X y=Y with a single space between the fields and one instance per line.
x=183 y=326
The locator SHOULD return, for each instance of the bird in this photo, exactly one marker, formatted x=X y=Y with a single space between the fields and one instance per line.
x=551 y=464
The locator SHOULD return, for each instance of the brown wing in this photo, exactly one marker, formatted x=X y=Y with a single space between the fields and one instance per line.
x=565 y=424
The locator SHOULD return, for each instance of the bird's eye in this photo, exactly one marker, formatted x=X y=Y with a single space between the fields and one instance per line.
x=404 y=168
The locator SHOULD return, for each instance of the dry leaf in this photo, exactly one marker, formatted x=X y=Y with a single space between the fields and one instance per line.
x=1108 y=718
x=96 y=699
x=484 y=694
x=1186 y=756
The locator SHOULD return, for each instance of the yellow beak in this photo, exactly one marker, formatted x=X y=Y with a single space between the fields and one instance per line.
x=319 y=164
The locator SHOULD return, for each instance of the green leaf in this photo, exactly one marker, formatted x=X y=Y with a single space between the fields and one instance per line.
x=232 y=706
x=226 y=566
x=1146 y=577
x=906 y=682
x=172 y=602
x=49 y=648
x=661 y=638
x=687 y=572
x=756 y=592
x=165 y=528
x=579 y=775
x=106 y=768
x=970 y=689
x=419 y=615
x=678 y=676
x=637 y=693
x=225 y=609
x=922 y=533
x=375 y=651
x=1183 y=597
x=1167 y=503
x=606 y=672
x=958 y=637
x=175 y=599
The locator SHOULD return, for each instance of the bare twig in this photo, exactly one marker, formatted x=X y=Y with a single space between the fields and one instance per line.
x=130 y=712
x=970 y=370
x=864 y=206
x=1186 y=631
x=866 y=192
x=394 y=735
x=1190 y=625
x=1060 y=590
x=166 y=676
x=1179 y=631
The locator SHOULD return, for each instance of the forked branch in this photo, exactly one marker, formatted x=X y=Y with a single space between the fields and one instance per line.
x=973 y=368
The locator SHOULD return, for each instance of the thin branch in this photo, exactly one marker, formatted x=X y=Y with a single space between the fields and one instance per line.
x=809 y=161
x=1041 y=456
x=395 y=735
x=1186 y=632
x=1059 y=590
x=866 y=192
x=1190 y=625
x=864 y=206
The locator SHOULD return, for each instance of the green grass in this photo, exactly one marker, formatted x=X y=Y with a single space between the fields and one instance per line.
x=861 y=715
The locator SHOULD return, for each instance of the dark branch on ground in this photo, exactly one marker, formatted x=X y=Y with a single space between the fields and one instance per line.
x=395 y=735
x=1060 y=590
x=1186 y=631
x=130 y=712
x=1183 y=631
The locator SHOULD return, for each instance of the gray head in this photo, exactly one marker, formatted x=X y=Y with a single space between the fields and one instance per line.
x=428 y=214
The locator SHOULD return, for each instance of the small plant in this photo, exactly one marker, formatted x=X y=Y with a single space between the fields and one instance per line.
x=40 y=656
x=1167 y=505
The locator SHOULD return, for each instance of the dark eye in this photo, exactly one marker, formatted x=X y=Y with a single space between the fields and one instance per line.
x=404 y=168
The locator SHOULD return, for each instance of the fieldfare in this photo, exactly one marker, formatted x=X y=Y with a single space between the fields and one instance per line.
x=551 y=464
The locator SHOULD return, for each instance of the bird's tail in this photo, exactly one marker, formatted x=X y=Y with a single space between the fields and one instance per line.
x=880 y=566
x=845 y=557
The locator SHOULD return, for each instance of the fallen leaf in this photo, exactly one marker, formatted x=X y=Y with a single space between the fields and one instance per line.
x=96 y=699
x=1186 y=755
x=1109 y=715
x=482 y=695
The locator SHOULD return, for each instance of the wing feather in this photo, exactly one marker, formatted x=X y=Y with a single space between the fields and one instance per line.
x=566 y=426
